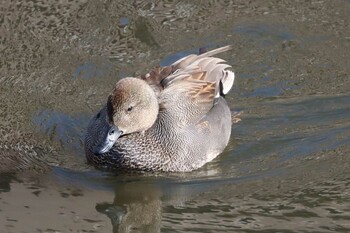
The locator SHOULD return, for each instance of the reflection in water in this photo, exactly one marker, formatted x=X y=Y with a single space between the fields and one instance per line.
x=305 y=208
x=138 y=205
x=136 y=208
x=285 y=169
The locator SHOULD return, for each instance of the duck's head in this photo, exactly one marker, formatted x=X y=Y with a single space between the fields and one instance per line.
x=132 y=107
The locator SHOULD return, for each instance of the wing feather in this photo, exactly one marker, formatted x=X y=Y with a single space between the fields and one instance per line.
x=192 y=82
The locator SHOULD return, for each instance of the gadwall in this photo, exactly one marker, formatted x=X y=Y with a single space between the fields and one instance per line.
x=172 y=119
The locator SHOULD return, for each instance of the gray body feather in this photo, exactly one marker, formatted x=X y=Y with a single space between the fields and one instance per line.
x=193 y=124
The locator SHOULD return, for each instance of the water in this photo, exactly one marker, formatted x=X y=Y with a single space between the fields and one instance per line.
x=286 y=168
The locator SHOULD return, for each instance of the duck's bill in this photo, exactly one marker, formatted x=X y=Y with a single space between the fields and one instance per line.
x=110 y=137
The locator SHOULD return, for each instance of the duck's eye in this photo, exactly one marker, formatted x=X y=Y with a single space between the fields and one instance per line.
x=129 y=108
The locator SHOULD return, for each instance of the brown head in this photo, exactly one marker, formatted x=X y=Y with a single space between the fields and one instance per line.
x=132 y=107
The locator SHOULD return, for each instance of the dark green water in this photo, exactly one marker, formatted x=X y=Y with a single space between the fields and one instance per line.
x=286 y=168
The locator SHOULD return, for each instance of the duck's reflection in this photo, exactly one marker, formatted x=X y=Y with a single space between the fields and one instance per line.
x=139 y=200
x=136 y=207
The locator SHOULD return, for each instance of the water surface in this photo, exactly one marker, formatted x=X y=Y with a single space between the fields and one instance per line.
x=286 y=168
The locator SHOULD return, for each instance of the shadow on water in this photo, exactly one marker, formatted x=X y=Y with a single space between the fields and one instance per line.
x=63 y=128
x=266 y=34
x=90 y=70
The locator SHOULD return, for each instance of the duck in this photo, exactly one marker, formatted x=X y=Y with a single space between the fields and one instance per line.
x=172 y=119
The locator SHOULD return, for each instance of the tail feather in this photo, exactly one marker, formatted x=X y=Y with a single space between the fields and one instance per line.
x=216 y=51
x=227 y=81
x=215 y=68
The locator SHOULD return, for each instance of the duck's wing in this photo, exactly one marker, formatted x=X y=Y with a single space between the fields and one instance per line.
x=154 y=77
x=160 y=77
x=215 y=70
x=189 y=92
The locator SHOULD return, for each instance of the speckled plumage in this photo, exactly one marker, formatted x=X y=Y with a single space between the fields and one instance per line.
x=192 y=127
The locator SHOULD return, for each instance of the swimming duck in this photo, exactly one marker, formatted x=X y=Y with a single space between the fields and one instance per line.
x=172 y=119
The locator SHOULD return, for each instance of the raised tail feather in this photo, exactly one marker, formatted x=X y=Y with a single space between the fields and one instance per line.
x=228 y=76
x=210 y=53
x=215 y=69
